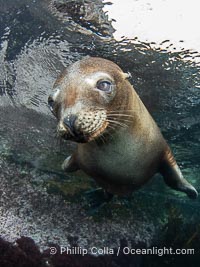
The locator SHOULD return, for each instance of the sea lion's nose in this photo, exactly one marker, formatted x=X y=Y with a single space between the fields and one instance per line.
x=69 y=122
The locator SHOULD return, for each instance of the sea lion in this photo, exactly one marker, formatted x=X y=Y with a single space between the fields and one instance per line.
x=119 y=143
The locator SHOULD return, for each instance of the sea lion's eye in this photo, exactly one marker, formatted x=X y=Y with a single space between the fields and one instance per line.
x=105 y=86
x=51 y=103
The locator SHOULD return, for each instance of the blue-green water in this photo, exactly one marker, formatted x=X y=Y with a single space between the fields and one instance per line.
x=37 y=42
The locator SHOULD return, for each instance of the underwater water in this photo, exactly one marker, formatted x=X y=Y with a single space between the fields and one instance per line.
x=38 y=39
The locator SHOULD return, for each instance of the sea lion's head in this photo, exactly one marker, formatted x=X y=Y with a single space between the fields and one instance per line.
x=89 y=99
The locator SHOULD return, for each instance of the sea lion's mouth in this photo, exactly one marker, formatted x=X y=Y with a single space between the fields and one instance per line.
x=72 y=136
x=84 y=126
x=83 y=137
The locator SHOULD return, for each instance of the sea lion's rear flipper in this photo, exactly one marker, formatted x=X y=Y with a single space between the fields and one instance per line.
x=173 y=176
x=70 y=164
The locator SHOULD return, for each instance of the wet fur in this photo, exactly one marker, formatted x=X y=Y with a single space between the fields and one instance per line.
x=121 y=159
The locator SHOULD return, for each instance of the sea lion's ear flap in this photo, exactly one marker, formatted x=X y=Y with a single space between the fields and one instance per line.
x=126 y=75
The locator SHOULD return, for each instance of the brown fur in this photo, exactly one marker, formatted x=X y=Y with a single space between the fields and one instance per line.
x=122 y=160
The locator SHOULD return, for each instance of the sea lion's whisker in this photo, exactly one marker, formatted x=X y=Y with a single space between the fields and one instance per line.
x=105 y=137
x=121 y=110
x=109 y=133
x=113 y=127
x=117 y=123
x=119 y=115
x=102 y=138
x=119 y=119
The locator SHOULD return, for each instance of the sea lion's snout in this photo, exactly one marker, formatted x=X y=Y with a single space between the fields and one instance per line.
x=69 y=122
x=68 y=130
x=83 y=127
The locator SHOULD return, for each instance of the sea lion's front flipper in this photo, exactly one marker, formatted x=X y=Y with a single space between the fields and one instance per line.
x=70 y=164
x=173 y=176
